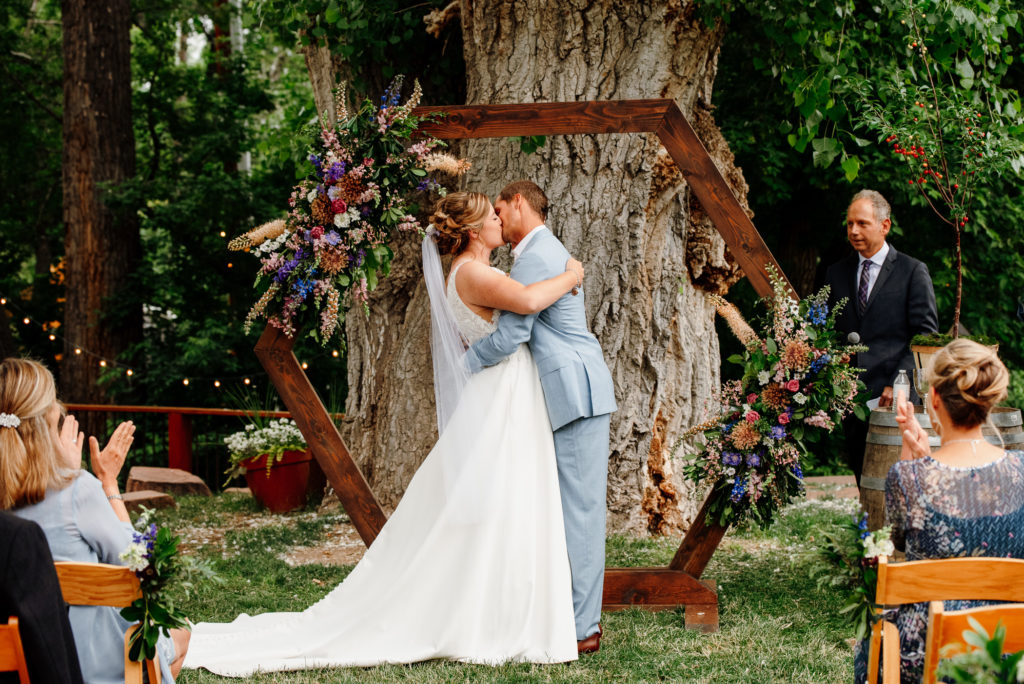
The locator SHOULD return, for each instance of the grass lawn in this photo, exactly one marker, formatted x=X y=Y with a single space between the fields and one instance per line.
x=775 y=625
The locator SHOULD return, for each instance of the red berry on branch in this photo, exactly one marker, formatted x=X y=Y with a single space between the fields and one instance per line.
x=955 y=186
x=911 y=182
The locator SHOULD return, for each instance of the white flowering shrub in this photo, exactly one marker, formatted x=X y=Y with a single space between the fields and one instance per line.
x=275 y=438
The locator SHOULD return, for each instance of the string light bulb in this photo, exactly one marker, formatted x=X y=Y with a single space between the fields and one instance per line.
x=25 y=320
x=103 y=363
x=129 y=372
x=246 y=381
x=334 y=353
x=185 y=382
x=3 y=300
x=305 y=365
x=78 y=350
x=52 y=337
x=216 y=383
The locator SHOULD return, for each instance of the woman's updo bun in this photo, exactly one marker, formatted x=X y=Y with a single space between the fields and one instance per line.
x=454 y=216
x=970 y=380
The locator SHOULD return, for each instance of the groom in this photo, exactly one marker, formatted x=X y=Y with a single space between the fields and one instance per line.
x=578 y=391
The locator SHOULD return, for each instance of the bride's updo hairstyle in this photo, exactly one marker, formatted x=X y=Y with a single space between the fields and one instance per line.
x=970 y=380
x=30 y=458
x=454 y=216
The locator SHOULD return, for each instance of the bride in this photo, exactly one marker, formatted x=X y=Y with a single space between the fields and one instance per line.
x=472 y=565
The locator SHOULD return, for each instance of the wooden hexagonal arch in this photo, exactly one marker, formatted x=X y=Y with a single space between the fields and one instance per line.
x=679 y=584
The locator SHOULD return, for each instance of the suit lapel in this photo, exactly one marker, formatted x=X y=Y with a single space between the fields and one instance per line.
x=883 y=275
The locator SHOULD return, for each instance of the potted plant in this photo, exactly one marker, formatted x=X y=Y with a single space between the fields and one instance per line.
x=278 y=468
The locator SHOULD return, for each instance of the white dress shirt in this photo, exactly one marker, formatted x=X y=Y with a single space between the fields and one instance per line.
x=518 y=249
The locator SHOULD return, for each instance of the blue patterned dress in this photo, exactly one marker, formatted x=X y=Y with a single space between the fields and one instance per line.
x=940 y=511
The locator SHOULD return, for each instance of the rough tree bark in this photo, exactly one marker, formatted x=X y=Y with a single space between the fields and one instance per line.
x=620 y=206
x=101 y=245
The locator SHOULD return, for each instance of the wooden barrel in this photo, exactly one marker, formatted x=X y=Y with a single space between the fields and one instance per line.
x=882 y=449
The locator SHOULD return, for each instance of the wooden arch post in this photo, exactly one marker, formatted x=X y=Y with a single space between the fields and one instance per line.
x=679 y=584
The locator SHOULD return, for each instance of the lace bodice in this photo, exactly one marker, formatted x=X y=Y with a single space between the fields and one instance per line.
x=470 y=324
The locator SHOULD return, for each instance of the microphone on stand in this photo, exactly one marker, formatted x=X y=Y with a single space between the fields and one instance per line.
x=853 y=338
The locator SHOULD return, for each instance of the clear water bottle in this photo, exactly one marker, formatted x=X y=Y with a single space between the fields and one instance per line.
x=900 y=386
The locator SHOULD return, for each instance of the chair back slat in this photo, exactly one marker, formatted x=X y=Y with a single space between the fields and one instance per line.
x=12 y=655
x=97 y=584
x=974 y=579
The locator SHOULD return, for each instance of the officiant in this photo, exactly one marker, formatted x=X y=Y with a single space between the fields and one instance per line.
x=890 y=299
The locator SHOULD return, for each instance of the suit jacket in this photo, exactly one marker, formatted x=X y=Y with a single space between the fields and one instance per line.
x=569 y=358
x=901 y=305
x=30 y=591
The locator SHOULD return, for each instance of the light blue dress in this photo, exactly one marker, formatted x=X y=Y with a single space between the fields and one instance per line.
x=81 y=526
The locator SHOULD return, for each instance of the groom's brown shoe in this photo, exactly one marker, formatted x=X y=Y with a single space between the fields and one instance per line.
x=592 y=644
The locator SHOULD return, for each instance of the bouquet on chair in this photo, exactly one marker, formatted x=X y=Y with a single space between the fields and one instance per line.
x=848 y=560
x=153 y=557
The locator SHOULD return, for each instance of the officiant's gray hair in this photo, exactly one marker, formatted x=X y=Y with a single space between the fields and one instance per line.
x=878 y=202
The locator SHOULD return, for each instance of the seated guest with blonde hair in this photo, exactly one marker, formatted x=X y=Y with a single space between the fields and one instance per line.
x=965 y=499
x=82 y=515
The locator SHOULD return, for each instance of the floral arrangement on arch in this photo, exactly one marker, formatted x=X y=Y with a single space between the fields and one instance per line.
x=797 y=384
x=334 y=246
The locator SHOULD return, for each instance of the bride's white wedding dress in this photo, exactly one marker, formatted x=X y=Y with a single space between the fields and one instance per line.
x=471 y=566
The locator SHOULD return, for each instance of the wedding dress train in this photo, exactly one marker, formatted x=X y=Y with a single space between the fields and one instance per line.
x=472 y=565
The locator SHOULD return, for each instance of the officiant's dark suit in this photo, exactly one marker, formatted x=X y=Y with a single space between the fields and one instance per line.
x=29 y=590
x=899 y=303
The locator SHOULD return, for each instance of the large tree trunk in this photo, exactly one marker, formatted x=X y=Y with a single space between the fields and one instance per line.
x=619 y=205
x=101 y=244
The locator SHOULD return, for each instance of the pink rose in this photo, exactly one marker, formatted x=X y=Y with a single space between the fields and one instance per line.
x=751 y=398
x=752 y=416
x=783 y=418
x=317 y=232
x=793 y=385
x=339 y=206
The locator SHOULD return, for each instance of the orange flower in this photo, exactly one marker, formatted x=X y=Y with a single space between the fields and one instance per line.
x=797 y=355
x=745 y=436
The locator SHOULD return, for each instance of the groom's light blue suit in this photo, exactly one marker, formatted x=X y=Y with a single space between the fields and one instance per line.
x=580 y=395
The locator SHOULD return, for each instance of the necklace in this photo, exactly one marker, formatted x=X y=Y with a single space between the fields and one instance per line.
x=972 y=442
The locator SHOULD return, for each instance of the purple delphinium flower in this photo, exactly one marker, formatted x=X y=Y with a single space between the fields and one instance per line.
x=798 y=471
x=360 y=255
x=778 y=432
x=753 y=459
x=331 y=237
x=303 y=287
x=731 y=458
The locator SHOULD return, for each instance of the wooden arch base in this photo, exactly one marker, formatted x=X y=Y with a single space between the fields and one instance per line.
x=679 y=584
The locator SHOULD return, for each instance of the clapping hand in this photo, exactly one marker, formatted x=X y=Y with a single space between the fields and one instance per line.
x=915 y=439
x=107 y=464
x=71 y=442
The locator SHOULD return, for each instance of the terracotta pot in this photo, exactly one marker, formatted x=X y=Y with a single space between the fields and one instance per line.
x=288 y=484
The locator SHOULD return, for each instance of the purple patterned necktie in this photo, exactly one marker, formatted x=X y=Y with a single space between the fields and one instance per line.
x=862 y=291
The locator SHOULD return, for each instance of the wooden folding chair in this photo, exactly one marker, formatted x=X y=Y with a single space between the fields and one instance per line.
x=99 y=584
x=945 y=629
x=12 y=655
x=945 y=579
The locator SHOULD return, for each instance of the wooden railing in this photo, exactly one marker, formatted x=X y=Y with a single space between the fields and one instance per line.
x=175 y=443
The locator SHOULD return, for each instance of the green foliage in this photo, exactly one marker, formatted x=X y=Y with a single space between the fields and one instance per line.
x=805 y=91
x=984 y=662
x=375 y=40
x=31 y=228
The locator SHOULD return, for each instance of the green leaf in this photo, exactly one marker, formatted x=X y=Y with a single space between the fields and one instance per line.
x=851 y=167
x=771 y=345
x=825 y=151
